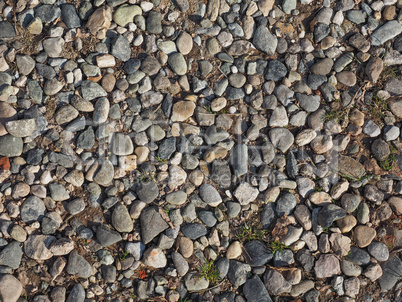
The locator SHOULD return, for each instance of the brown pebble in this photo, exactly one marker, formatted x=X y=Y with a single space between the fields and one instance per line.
x=389 y=13
x=108 y=82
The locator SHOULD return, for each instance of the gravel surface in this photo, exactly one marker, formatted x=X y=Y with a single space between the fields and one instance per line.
x=219 y=150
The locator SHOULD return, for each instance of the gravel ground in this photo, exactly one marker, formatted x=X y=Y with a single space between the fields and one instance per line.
x=220 y=150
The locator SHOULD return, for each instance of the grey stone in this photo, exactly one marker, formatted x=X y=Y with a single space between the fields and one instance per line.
x=107 y=237
x=256 y=253
x=11 y=255
x=10 y=146
x=238 y=272
x=392 y=272
x=283 y=258
x=286 y=204
x=147 y=191
x=386 y=32
x=275 y=71
x=378 y=250
x=329 y=214
x=255 y=291
x=121 y=49
x=154 y=22
x=77 y=294
x=263 y=40
x=177 y=63
x=239 y=160
x=152 y=224
x=33 y=209
x=77 y=265
x=281 y=138
x=69 y=16
x=276 y=283
x=7 y=30
x=121 y=219
x=91 y=90
x=210 y=195
x=194 y=230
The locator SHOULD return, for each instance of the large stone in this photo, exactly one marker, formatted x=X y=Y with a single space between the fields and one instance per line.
x=125 y=14
x=386 y=32
x=77 y=265
x=255 y=291
x=37 y=247
x=152 y=224
x=10 y=146
x=210 y=195
x=327 y=266
x=364 y=235
x=182 y=110
x=7 y=113
x=21 y=128
x=10 y=287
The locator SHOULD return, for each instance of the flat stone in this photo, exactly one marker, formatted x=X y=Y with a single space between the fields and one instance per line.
x=7 y=30
x=182 y=110
x=105 y=174
x=154 y=257
x=256 y=253
x=121 y=48
x=37 y=247
x=91 y=90
x=255 y=291
x=152 y=224
x=263 y=40
x=11 y=255
x=364 y=235
x=245 y=193
x=276 y=283
x=329 y=214
x=107 y=237
x=210 y=195
x=33 y=209
x=77 y=265
x=10 y=146
x=125 y=14
x=386 y=32
x=178 y=63
x=238 y=273
x=10 y=287
x=392 y=271
x=194 y=230
x=327 y=266
x=121 y=219
x=194 y=283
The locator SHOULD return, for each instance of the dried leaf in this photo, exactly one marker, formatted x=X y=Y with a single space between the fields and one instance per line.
x=5 y=163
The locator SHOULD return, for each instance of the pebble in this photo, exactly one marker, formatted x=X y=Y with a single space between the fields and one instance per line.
x=364 y=235
x=10 y=287
x=327 y=266
x=125 y=14
x=178 y=63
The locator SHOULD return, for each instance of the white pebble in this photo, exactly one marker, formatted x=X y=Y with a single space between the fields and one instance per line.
x=7 y=191
x=138 y=41
x=232 y=110
x=248 y=88
x=70 y=78
x=146 y=6
x=7 y=11
x=173 y=16
x=56 y=32
x=121 y=30
x=132 y=26
x=176 y=160
x=77 y=77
